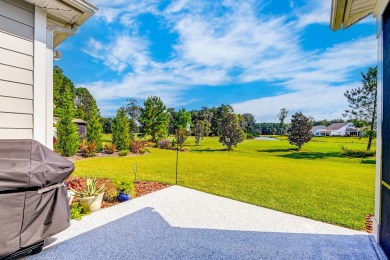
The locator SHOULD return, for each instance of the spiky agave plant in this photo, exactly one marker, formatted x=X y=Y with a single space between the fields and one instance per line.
x=92 y=188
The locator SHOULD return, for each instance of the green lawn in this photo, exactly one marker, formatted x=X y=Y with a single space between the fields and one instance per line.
x=317 y=182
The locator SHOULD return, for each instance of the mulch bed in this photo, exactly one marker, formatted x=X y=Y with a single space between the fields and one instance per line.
x=141 y=188
x=146 y=187
x=369 y=223
x=78 y=156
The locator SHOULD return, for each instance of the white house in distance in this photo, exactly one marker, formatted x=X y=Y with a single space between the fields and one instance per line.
x=345 y=13
x=30 y=30
x=316 y=130
x=337 y=129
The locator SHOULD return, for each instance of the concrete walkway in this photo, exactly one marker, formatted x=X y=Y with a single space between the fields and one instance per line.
x=180 y=223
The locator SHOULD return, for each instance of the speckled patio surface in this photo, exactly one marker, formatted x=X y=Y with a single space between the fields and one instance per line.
x=181 y=223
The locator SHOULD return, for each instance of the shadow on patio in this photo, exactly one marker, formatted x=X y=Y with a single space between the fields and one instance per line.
x=145 y=234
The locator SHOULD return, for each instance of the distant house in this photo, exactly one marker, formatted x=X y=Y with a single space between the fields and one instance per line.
x=337 y=129
x=316 y=130
x=354 y=131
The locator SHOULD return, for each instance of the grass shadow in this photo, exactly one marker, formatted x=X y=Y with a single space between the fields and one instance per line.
x=210 y=150
x=312 y=155
x=278 y=150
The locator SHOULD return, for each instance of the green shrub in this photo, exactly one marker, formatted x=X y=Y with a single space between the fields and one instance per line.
x=94 y=131
x=120 y=130
x=109 y=148
x=144 y=150
x=123 y=152
x=357 y=153
x=250 y=136
x=67 y=133
x=124 y=186
x=76 y=211
x=369 y=161
x=185 y=149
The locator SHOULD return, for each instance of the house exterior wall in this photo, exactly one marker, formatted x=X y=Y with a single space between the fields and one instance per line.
x=25 y=61
x=341 y=131
x=16 y=70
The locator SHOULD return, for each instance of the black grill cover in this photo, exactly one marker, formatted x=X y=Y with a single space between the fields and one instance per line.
x=33 y=204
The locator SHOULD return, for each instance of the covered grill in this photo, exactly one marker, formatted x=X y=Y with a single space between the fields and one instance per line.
x=33 y=197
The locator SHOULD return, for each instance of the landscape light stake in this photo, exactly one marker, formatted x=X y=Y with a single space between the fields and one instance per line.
x=135 y=172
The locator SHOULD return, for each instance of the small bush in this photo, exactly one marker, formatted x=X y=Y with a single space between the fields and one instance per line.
x=185 y=149
x=358 y=153
x=76 y=211
x=109 y=148
x=123 y=152
x=110 y=194
x=88 y=149
x=165 y=144
x=250 y=136
x=173 y=143
x=369 y=161
x=136 y=146
x=144 y=150
x=124 y=186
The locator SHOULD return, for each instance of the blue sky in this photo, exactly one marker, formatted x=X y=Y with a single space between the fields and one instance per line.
x=258 y=56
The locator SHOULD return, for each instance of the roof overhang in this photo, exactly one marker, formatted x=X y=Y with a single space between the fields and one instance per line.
x=65 y=13
x=345 y=13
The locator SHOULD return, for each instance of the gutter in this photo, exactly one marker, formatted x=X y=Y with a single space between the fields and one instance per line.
x=56 y=28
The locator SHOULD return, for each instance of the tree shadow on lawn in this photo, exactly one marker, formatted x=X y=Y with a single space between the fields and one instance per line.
x=278 y=150
x=295 y=154
x=210 y=150
x=312 y=155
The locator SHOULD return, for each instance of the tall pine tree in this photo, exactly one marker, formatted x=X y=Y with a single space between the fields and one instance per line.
x=94 y=130
x=154 y=119
x=120 y=130
x=67 y=133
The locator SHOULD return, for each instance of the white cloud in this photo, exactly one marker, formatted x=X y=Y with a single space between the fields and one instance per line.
x=316 y=11
x=313 y=90
x=319 y=102
x=125 y=51
x=211 y=45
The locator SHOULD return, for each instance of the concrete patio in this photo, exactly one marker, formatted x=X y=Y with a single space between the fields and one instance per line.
x=180 y=223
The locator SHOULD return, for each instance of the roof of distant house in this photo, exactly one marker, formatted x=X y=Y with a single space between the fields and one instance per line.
x=314 y=128
x=337 y=126
x=79 y=121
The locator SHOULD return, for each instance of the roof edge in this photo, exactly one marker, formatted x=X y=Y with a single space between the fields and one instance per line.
x=87 y=6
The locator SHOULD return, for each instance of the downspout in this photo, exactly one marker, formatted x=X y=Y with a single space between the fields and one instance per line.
x=56 y=28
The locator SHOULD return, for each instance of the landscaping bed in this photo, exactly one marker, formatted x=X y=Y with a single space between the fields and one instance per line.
x=139 y=189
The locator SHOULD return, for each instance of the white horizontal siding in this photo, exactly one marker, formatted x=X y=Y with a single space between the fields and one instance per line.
x=16 y=74
x=16 y=105
x=12 y=89
x=16 y=44
x=16 y=13
x=9 y=120
x=16 y=28
x=22 y=4
x=16 y=59
x=16 y=69
x=16 y=133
